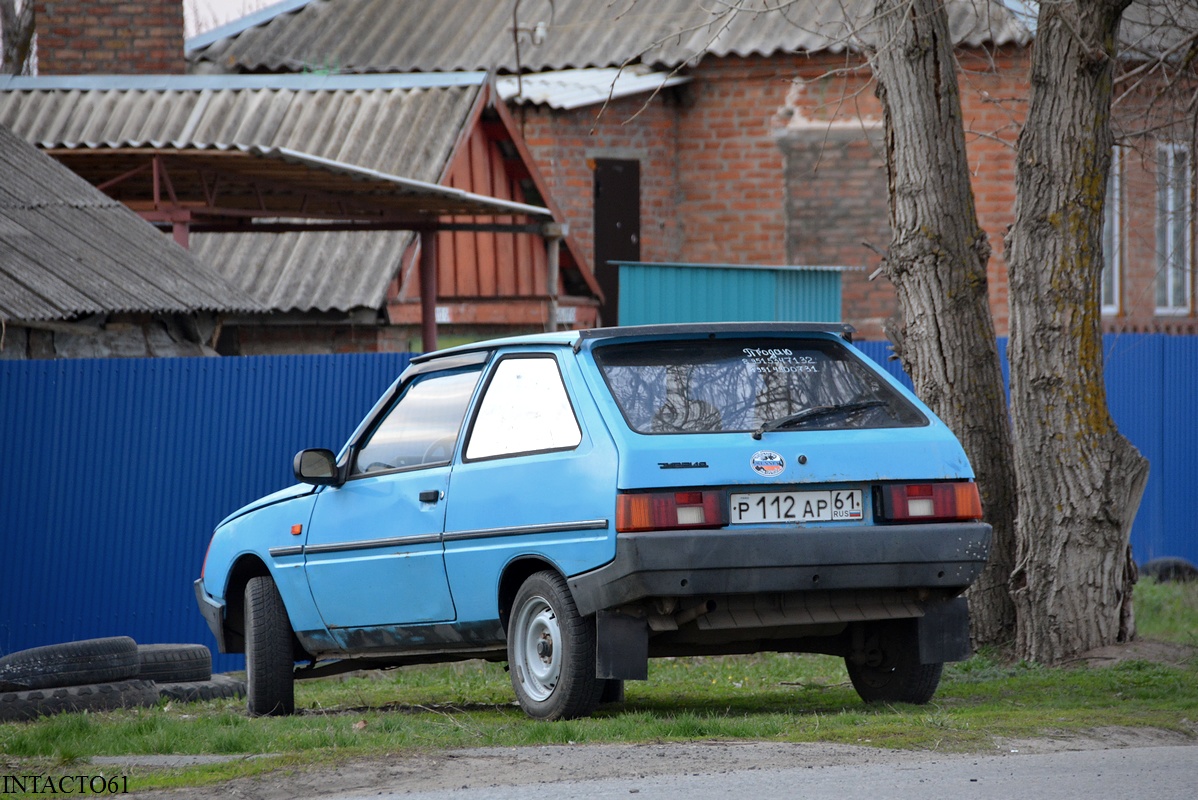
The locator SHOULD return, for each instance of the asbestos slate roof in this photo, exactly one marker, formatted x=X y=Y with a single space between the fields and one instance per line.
x=67 y=250
x=451 y=35
x=395 y=125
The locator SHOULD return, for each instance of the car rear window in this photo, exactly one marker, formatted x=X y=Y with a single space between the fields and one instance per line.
x=738 y=385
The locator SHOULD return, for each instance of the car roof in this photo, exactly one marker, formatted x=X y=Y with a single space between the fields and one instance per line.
x=576 y=339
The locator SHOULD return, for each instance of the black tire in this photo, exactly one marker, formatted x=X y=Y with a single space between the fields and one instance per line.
x=91 y=697
x=889 y=671
x=85 y=662
x=269 y=661
x=174 y=663
x=551 y=651
x=1166 y=570
x=217 y=687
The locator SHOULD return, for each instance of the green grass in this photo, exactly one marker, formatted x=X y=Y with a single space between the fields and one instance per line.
x=765 y=697
x=1167 y=611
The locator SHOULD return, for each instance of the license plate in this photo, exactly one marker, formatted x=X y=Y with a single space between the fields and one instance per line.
x=825 y=506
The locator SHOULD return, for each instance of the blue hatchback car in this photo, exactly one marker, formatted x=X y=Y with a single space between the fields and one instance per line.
x=576 y=503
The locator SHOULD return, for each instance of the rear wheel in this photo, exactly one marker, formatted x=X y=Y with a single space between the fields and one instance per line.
x=269 y=663
x=887 y=668
x=551 y=651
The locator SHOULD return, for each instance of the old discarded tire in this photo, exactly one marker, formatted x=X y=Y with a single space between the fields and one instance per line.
x=87 y=661
x=890 y=670
x=1166 y=570
x=269 y=662
x=551 y=651
x=91 y=697
x=217 y=687
x=174 y=663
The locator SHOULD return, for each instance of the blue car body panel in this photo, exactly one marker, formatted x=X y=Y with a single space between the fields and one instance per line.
x=373 y=552
x=547 y=506
x=263 y=532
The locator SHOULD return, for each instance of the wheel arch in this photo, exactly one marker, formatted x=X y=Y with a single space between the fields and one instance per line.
x=514 y=576
x=245 y=567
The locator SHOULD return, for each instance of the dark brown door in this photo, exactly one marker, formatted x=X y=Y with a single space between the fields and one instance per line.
x=617 y=226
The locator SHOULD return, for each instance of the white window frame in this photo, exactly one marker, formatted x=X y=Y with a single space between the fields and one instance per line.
x=1174 y=242
x=1111 y=283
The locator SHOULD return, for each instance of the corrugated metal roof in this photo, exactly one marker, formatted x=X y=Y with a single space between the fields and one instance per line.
x=67 y=250
x=408 y=132
x=575 y=88
x=449 y=35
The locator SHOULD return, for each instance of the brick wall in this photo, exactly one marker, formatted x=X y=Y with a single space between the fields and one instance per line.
x=77 y=37
x=778 y=160
x=731 y=191
x=837 y=174
x=1144 y=121
x=565 y=145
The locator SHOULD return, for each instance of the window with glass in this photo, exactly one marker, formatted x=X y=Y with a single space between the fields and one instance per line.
x=1112 y=236
x=422 y=426
x=749 y=385
x=1174 y=229
x=525 y=409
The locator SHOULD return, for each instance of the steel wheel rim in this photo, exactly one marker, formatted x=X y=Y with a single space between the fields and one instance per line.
x=538 y=648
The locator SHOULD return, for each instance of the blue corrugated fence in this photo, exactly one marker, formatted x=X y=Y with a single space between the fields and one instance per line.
x=113 y=473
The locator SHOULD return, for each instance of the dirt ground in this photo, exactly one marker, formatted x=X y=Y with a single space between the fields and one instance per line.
x=540 y=766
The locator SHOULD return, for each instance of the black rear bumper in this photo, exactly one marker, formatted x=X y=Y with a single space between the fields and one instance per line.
x=692 y=563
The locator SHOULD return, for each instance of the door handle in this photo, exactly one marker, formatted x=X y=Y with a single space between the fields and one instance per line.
x=430 y=496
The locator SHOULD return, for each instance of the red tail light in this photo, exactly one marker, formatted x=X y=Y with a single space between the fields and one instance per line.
x=669 y=510
x=931 y=502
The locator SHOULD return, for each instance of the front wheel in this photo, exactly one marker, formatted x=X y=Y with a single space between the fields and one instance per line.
x=888 y=670
x=551 y=651
x=269 y=662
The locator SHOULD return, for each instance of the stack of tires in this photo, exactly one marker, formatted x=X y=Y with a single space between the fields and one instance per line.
x=108 y=673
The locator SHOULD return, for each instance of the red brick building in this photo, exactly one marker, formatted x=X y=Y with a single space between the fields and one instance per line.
x=769 y=153
x=77 y=37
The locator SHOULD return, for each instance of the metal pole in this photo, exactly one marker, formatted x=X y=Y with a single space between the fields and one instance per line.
x=428 y=290
x=553 y=233
x=181 y=230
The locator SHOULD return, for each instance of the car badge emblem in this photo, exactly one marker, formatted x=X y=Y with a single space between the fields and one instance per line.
x=767 y=463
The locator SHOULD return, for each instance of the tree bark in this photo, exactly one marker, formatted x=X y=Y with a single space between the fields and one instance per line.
x=1080 y=480
x=937 y=262
x=16 y=26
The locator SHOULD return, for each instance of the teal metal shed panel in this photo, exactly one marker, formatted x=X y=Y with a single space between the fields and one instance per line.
x=808 y=295
x=670 y=293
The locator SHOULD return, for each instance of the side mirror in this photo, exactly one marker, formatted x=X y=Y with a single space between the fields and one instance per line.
x=317 y=467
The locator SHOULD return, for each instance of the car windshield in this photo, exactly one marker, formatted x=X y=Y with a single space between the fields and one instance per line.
x=749 y=385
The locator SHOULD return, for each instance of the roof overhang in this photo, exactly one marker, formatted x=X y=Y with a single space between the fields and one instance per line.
x=239 y=187
x=215 y=186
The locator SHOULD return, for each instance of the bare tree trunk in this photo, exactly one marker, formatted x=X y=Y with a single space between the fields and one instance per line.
x=16 y=25
x=1080 y=480
x=937 y=263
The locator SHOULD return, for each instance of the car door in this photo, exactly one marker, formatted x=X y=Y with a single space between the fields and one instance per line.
x=374 y=556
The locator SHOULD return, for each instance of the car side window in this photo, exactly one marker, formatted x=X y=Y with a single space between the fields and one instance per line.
x=422 y=426
x=525 y=409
